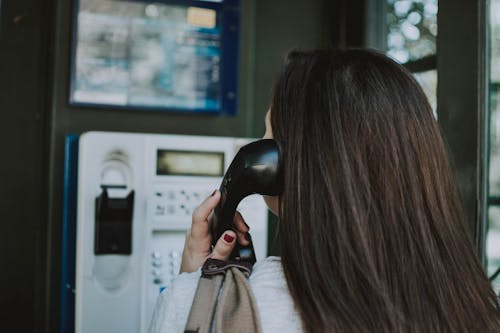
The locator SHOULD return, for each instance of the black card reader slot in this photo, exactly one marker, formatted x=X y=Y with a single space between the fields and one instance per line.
x=119 y=187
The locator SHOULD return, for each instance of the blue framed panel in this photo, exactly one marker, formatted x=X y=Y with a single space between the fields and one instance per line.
x=168 y=55
x=68 y=234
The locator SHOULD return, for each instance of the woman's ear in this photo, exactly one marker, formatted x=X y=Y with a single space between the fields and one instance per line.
x=273 y=203
x=269 y=131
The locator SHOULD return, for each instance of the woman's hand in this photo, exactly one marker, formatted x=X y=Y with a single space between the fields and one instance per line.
x=197 y=247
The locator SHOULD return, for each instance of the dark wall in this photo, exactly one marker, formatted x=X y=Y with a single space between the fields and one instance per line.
x=35 y=39
x=24 y=95
x=463 y=104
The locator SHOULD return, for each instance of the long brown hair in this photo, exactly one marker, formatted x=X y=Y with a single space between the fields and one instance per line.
x=371 y=227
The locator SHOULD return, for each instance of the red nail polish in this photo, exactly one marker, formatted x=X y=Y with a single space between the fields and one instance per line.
x=228 y=238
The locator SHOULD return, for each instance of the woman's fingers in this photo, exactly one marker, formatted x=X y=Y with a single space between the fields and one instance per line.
x=224 y=246
x=239 y=223
x=198 y=239
x=242 y=229
x=200 y=227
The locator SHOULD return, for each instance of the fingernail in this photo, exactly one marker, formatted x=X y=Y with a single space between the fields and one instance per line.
x=228 y=238
x=246 y=225
x=213 y=193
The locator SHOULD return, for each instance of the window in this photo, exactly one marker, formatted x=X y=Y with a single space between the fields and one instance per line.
x=493 y=236
x=411 y=40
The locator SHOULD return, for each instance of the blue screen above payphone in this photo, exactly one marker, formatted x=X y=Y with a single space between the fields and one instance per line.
x=150 y=55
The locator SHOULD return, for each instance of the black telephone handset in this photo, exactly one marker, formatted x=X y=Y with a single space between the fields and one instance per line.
x=256 y=169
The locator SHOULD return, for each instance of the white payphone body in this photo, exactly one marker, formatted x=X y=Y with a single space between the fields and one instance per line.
x=163 y=178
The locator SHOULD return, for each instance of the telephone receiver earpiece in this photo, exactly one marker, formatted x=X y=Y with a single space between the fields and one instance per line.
x=256 y=169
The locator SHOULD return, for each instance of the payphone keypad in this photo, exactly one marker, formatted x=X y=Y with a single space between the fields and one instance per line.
x=164 y=267
x=176 y=204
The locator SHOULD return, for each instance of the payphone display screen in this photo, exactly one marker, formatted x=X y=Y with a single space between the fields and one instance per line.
x=189 y=163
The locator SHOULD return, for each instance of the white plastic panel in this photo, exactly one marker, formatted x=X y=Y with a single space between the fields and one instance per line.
x=117 y=293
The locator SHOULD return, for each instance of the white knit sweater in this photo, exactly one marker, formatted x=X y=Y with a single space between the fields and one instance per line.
x=276 y=309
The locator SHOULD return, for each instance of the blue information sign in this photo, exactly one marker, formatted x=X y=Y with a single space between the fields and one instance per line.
x=168 y=55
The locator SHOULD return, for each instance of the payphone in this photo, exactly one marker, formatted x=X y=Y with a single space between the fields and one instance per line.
x=135 y=197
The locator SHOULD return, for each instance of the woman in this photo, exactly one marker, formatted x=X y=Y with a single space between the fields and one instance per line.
x=372 y=232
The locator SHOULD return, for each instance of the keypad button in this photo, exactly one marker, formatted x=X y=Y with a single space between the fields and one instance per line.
x=160 y=210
